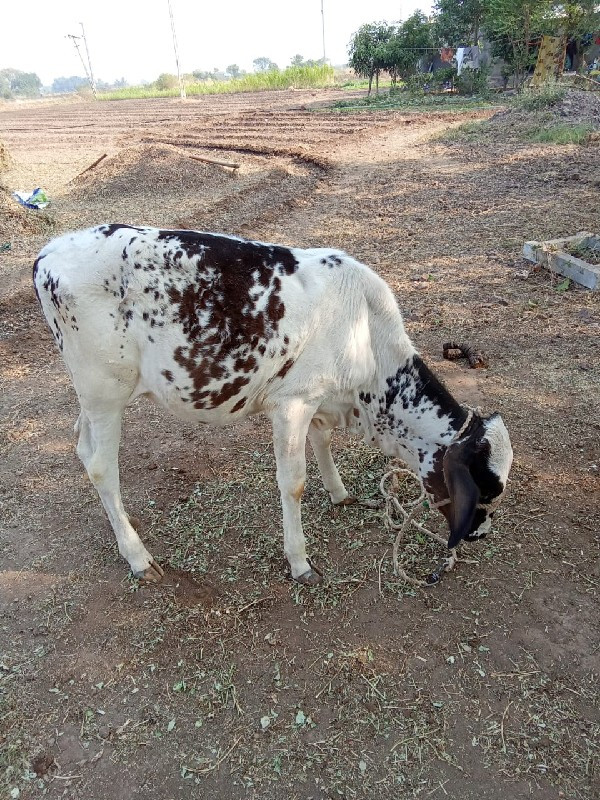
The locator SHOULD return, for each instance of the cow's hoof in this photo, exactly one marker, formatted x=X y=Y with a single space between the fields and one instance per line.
x=347 y=501
x=311 y=577
x=353 y=501
x=153 y=574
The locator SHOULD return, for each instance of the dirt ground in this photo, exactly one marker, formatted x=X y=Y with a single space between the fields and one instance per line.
x=229 y=681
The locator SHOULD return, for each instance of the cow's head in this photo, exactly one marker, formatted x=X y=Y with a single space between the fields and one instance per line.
x=475 y=471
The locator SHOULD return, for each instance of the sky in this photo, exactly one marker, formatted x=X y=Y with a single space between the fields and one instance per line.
x=132 y=38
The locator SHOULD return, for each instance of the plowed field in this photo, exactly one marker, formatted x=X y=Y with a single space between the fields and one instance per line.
x=229 y=681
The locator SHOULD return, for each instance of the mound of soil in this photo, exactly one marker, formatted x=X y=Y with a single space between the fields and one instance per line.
x=144 y=169
x=16 y=220
x=161 y=184
x=145 y=184
x=577 y=107
x=5 y=159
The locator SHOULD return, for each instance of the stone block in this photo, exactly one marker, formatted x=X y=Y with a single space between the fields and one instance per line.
x=554 y=254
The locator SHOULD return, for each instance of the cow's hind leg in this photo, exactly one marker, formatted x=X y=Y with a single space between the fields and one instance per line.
x=98 y=448
x=320 y=441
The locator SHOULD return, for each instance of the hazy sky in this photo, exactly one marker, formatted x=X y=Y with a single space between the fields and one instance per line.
x=132 y=38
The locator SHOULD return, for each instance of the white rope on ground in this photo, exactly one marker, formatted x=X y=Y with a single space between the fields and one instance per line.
x=393 y=508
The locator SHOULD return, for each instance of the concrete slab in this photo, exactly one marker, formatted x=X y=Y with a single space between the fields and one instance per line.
x=554 y=254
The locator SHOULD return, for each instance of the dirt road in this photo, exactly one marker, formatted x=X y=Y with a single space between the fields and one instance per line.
x=229 y=681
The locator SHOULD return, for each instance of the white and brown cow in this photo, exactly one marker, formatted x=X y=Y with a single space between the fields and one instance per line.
x=216 y=328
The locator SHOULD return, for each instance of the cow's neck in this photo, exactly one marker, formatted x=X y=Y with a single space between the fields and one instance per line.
x=412 y=416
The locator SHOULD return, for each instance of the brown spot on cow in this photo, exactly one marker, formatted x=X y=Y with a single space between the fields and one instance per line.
x=239 y=405
x=298 y=491
x=286 y=368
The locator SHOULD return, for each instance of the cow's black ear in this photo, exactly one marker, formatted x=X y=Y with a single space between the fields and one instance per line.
x=463 y=492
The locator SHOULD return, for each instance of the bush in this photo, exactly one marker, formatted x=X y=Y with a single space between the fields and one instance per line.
x=166 y=81
x=536 y=99
x=473 y=81
x=418 y=84
x=562 y=133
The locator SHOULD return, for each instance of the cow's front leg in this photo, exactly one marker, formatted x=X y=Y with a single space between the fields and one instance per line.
x=290 y=427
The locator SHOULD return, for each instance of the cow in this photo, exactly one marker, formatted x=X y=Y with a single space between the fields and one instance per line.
x=215 y=328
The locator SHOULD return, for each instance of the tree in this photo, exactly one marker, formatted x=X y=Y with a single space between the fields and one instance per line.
x=458 y=22
x=297 y=60
x=5 y=92
x=72 y=84
x=16 y=82
x=233 y=70
x=517 y=24
x=573 y=20
x=263 y=64
x=407 y=45
x=367 y=51
x=166 y=81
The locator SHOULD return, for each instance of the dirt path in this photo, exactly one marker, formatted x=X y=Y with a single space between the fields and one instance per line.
x=229 y=681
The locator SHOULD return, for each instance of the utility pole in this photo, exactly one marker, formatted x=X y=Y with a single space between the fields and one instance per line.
x=87 y=52
x=75 y=39
x=181 y=84
x=323 y=23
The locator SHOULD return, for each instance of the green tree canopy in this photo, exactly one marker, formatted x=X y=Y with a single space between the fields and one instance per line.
x=407 y=45
x=15 y=82
x=166 y=81
x=458 y=22
x=264 y=64
x=517 y=24
x=367 y=50
x=71 y=84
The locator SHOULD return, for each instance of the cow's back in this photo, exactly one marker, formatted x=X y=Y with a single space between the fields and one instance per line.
x=211 y=325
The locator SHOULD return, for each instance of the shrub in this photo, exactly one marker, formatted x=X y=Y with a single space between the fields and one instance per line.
x=536 y=99
x=166 y=81
x=563 y=133
x=473 y=81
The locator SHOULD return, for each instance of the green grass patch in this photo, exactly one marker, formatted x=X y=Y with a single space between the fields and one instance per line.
x=402 y=101
x=297 y=77
x=537 y=99
x=561 y=133
x=467 y=132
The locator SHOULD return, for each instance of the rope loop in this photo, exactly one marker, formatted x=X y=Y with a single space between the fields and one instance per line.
x=408 y=512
